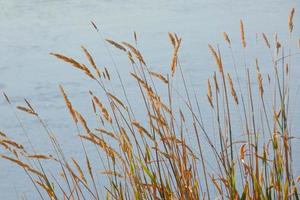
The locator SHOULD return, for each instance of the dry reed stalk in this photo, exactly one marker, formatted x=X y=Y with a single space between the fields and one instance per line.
x=152 y=96
x=5 y=146
x=116 y=44
x=107 y=73
x=136 y=52
x=29 y=105
x=116 y=100
x=112 y=173
x=216 y=82
x=170 y=155
x=49 y=190
x=290 y=22
x=277 y=43
x=87 y=71
x=161 y=121
x=98 y=140
x=71 y=171
x=80 y=171
x=214 y=181
x=209 y=94
x=181 y=115
x=67 y=59
x=171 y=138
x=259 y=80
x=176 y=41
x=12 y=143
x=68 y=104
x=94 y=107
x=102 y=144
x=159 y=76
x=7 y=99
x=91 y=61
x=172 y=39
x=82 y=121
x=104 y=75
x=177 y=38
x=242 y=34
x=226 y=38
x=260 y=84
x=23 y=165
x=109 y=133
x=103 y=110
x=89 y=167
x=142 y=130
x=39 y=156
x=126 y=145
x=94 y=25
x=266 y=40
x=27 y=110
x=242 y=152
x=217 y=58
x=164 y=107
x=130 y=57
x=76 y=64
x=156 y=100
x=141 y=81
x=135 y=37
x=155 y=129
x=233 y=92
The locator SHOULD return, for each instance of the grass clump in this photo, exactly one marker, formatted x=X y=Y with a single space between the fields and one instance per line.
x=151 y=157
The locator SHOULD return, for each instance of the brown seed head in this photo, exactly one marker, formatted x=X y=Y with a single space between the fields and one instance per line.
x=116 y=44
x=242 y=34
x=266 y=40
x=68 y=104
x=91 y=60
x=291 y=16
x=209 y=94
x=227 y=38
x=233 y=93
x=259 y=80
x=136 y=52
x=217 y=58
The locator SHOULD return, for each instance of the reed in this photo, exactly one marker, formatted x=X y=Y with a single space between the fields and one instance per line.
x=152 y=157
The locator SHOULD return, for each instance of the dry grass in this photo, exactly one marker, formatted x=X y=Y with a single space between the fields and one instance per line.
x=152 y=158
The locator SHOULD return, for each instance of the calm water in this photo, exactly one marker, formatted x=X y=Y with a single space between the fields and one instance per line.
x=29 y=30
